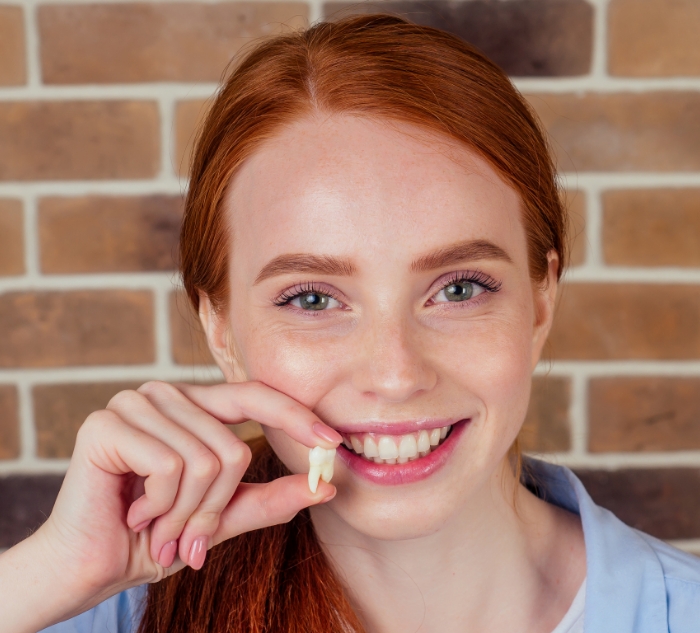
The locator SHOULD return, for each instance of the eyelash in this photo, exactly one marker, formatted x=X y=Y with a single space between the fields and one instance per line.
x=489 y=284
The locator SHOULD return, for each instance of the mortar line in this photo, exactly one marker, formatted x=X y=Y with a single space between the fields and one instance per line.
x=32 y=47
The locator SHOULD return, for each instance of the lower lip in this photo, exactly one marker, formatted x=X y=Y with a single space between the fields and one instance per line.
x=410 y=472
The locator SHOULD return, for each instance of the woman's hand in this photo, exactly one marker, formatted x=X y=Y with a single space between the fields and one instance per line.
x=154 y=482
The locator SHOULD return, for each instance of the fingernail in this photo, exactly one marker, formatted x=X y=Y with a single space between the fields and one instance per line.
x=167 y=554
x=141 y=526
x=198 y=552
x=327 y=433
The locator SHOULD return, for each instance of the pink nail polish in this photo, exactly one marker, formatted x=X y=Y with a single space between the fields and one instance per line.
x=198 y=552
x=141 y=526
x=167 y=554
x=327 y=433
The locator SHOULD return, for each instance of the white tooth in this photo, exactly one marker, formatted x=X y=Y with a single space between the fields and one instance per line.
x=371 y=447
x=434 y=437
x=423 y=441
x=314 y=476
x=443 y=432
x=389 y=461
x=356 y=444
x=402 y=460
x=408 y=446
x=377 y=460
x=413 y=459
x=425 y=453
x=387 y=448
x=320 y=466
x=348 y=443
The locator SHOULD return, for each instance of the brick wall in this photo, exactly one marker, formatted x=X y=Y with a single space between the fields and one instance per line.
x=98 y=101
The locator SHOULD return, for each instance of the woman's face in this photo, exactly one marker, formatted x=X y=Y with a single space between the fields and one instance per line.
x=378 y=275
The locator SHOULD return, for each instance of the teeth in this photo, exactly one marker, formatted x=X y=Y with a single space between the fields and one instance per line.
x=396 y=449
x=356 y=444
x=408 y=447
x=423 y=441
x=370 y=447
x=387 y=448
x=320 y=466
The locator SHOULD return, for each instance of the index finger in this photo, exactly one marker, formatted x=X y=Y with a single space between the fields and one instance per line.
x=233 y=403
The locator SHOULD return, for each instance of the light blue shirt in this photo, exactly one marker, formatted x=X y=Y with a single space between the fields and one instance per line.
x=635 y=583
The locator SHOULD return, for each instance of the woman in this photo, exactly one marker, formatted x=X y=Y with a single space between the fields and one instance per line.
x=373 y=241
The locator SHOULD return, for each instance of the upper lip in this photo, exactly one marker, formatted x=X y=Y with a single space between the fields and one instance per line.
x=398 y=427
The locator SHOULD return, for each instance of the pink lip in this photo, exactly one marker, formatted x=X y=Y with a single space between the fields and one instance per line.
x=396 y=474
x=394 y=428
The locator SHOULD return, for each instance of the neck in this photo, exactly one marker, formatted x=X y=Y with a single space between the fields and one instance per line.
x=505 y=561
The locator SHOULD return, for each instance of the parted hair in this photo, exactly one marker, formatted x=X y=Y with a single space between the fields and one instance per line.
x=382 y=67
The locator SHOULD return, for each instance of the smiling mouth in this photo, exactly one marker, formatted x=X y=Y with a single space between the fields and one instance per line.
x=396 y=449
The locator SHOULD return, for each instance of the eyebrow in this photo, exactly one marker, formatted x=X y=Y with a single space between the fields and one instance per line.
x=304 y=263
x=459 y=252
x=329 y=265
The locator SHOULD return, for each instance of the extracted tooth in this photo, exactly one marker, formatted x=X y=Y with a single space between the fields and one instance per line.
x=356 y=444
x=408 y=447
x=423 y=441
x=387 y=448
x=434 y=437
x=320 y=466
x=443 y=432
x=370 y=447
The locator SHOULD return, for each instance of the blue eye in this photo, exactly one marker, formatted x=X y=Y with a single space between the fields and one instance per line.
x=316 y=301
x=458 y=291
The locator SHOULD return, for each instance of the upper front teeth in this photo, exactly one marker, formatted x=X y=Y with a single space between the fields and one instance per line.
x=320 y=466
x=392 y=448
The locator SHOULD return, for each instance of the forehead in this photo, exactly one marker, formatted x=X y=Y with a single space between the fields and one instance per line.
x=366 y=189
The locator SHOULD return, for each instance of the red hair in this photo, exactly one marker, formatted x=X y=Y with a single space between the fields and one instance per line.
x=381 y=67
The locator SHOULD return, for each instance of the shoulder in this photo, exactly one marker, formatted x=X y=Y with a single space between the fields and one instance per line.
x=119 y=614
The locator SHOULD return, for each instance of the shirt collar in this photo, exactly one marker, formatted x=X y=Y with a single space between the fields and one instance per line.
x=626 y=590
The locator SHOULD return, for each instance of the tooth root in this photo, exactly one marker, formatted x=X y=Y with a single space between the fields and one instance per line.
x=434 y=437
x=327 y=472
x=408 y=447
x=423 y=441
x=387 y=448
x=314 y=476
x=443 y=432
x=370 y=447
x=356 y=444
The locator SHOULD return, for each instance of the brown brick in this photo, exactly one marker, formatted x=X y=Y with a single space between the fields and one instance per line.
x=188 y=116
x=662 y=502
x=644 y=414
x=109 y=233
x=25 y=503
x=148 y=41
x=12 y=47
x=82 y=327
x=546 y=427
x=657 y=227
x=60 y=140
x=11 y=237
x=59 y=410
x=610 y=321
x=653 y=38
x=654 y=131
x=189 y=345
x=524 y=37
x=576 y=206
x=9 y=422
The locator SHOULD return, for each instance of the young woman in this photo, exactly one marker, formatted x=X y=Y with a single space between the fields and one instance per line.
x=373 y=241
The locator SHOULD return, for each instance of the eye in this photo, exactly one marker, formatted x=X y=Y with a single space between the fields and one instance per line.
x=460 y=290
x=316 y=301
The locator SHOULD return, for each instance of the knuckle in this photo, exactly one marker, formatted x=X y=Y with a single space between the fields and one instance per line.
x=124 y=400
x=205 y=467
x=171 y=464
x=237 y=456
x=206 y=520
x=157 y=388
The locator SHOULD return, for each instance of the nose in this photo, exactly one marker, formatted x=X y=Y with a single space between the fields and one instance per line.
x=392 y=365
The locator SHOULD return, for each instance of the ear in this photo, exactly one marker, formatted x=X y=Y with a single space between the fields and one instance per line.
x=545 y=295
x=216 y=328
